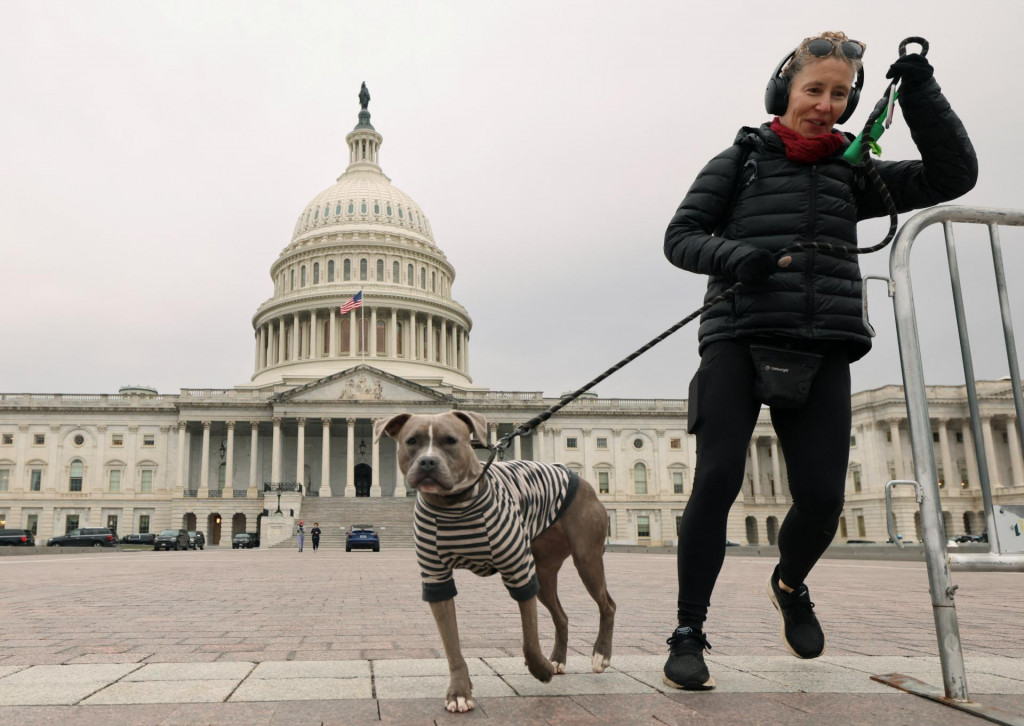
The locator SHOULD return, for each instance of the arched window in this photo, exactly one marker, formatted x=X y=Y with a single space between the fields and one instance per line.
x=411 y=278
x=376 y=207
x=302 y=277
x=362 y=269
x=433 y=281
x=389 y=209
x=347 y=271
x=337 y=209
x=400 y=214
x=316 y=215
x=362 y=207
x=640 y=478
x=293 y=279
x=327 y=209
x=394 y=271
x=380 y=270
x=330 y=271
x=382 y=345
x=75 y=480
x=316 y=273
x=423 y=278
x=351 y=207
x=346 y=335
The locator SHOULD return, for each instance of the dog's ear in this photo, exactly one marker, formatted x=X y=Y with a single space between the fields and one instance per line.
x=476 y=422
x=389 y=426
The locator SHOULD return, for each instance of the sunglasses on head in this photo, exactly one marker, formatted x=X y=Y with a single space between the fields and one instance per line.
x=824 y=47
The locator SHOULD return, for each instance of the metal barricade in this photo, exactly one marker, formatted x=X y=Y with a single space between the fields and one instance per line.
x=941 y=588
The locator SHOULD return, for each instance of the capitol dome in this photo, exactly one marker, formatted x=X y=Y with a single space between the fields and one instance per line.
x=362 y=234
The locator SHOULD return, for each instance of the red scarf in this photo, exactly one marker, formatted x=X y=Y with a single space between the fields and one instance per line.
x=807 y=148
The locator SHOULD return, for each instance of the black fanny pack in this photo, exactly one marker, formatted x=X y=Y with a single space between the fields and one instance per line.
x=783 y=377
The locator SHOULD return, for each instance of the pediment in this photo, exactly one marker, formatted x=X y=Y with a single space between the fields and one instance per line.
x=361 y=383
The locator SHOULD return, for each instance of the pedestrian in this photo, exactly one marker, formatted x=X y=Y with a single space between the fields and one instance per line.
x=315 y=534
x=778 y=184
x=302 y=535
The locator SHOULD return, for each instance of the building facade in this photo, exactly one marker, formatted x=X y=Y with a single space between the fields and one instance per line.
x=225 y=460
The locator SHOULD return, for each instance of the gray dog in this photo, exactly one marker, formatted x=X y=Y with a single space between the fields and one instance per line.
x=522 y=520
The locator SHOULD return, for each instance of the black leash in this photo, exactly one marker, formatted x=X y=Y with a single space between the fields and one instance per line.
x=502 y=444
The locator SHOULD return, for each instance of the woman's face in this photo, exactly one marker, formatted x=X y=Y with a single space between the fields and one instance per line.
x=818 y=96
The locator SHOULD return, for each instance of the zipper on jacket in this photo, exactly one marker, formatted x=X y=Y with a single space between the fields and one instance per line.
x=812 y=227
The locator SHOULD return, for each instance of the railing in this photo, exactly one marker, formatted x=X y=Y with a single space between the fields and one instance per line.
x=215 y=493
x=191 y=493
x=239 y=493
x=285 y=486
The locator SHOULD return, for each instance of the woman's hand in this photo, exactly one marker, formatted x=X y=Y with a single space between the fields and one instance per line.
x=912 y=69
x=757 y=265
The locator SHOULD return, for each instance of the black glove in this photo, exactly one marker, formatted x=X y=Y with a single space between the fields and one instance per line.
x=757 y=265
x=912 y=69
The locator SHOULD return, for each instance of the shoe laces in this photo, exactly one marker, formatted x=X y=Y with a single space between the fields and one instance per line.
x=798 y=601
x=684 y=639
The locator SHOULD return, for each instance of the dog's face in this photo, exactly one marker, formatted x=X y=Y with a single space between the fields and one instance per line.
x=434 y=451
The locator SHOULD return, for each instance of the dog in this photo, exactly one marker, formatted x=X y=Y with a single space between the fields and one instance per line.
x=522 y=519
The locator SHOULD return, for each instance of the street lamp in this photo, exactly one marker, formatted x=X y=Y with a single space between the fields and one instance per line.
x=223 y=450
x=362 y=448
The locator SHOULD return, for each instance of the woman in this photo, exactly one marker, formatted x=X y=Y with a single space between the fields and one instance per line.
x=783 y=183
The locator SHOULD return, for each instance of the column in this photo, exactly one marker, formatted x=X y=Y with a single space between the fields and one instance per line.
x=325 y=461
x=897 y=446
x=428 y=351
x=375 y=463
x=657 y=477
x=300 y=454
x=538 y=443
x=492 y=434
x=314 y=351
x=295 y=336
x=517 y=448
x=400 y=490
x=334 y=334
x=229 y=462
x=353 y=340
x=275 y=453
x=350 y=458
x=413 y=338
x=755 y=468
x=204 y=466
x=465 y=351
x=256 y=343
x=974 y=476
x=1015 y=460
x=444 y=343
x=263 y=347
x=613 y=487
x=372 y=347
x=281 y=338
x=950 y=473
x=995 y=476
x=393 y=335
x=182 y=472
x=254 y=484
x=776 y=468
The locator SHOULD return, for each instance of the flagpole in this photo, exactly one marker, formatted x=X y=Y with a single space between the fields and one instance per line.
x=362 y=323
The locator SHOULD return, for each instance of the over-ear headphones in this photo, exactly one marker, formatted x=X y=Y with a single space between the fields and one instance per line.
x=776 y=95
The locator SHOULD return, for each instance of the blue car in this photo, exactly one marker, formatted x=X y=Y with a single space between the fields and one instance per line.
x=362 y=537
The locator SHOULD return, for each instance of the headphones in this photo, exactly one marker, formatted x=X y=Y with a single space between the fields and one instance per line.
x=776 y=95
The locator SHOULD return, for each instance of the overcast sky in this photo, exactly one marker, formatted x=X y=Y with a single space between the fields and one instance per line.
x=154 y=157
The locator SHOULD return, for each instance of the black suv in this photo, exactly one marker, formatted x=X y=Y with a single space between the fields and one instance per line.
x=84 y=537
x=171 y=539
x=138 y=539
x=245 y=541
x=196 y=540
x=17 y=538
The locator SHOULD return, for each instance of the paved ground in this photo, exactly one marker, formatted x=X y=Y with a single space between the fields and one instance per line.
x=277 y=637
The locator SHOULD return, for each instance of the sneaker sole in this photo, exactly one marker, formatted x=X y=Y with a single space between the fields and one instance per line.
x=706 y=686
x=782 y=623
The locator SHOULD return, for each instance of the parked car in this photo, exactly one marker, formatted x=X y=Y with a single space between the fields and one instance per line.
x=171 y=539
x=17 y=538
x=245 y=541
x=362 y=537
x=860 y=541
x=196 y=540
x=139 y=539
x=84 y=537
x=967 y=538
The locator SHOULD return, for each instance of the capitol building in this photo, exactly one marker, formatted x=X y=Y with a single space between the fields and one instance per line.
x=299 y=434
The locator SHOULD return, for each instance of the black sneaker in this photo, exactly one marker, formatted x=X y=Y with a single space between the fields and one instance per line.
x=685 y=666
x=800 y=629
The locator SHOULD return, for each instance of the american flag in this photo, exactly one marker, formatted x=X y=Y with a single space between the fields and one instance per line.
x=355 y=302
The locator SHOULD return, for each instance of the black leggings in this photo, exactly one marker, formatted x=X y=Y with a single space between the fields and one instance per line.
x=815 y=440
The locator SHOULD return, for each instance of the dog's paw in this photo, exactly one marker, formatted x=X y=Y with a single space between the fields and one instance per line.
x=559 y=668
x=599 y=662
x=459 y=705
x=542 y=670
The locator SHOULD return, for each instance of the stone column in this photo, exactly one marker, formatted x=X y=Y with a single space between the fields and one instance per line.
x=375 y=463
x=412 y=337
x=255 y=486
x=465 y=350
x=275 y=453
x=350 y=459
x=995 y=476
x=263 y=347
x=969 y=454
x=538 y=443
x=755 y=469
x=444 y=343
x=281 y=340
x=613 y=487
x=325 y=461
x=556 y=449
x=393 y=335
x=204 y=466
x=229 y=461
x=295 y=352
x=428 y=350
x=1015 y=455
x=517 y=448
x=492 y=433
x=334 y=334
x=256 y=361
x=372 y=347
x=314 y=347
x=300 y=454
x=897 y=446
x=400 y=490
x=950 y=474
x=657 y=477
x=182 y=470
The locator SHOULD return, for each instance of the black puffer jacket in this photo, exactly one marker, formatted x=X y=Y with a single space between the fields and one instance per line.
x=781 y=202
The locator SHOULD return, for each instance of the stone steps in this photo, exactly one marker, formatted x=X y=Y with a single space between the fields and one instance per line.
x=392 y=518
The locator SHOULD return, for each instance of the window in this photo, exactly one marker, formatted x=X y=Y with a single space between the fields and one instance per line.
x=337 y=209
x=35 y=483
x=677 y=482
x=70 y=523
x=679 y=524
x=302 y=276
x=362 y=269
x=146 y=484
x=643 y=526
x=293 y=280
x=856 y=480
x=79 y=440
x=602 y=442
x=640 y=478
x=935 y=437
x=861 y=529
x=376 y=207
x=346 y=270
x=316 y=273
x=380 y=270
x=675 y=443
x=351 y=207
x=75 y=479
x=410 y=277
x=423 y=278
x=433 y=281
x=117 y=439
x=395 y=268
x=388 y=209
x=362 y=207
x=221 y=474
x=401 y=215
x=115 y=481
x=330 y=271
x=149 y=440
x=602 y=482
x=5 y=479
x=638 y=443
x=32 y=523
x=571 y=442
x=888 y=437
x=853 y=442
x=39 y=439
x=143 y=524
x=316 y=214
x=8 y=439
x=959 y=437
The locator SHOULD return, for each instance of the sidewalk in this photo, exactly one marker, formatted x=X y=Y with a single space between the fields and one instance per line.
x=277 y=637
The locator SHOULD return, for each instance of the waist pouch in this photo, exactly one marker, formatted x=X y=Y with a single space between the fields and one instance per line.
x=783 y=377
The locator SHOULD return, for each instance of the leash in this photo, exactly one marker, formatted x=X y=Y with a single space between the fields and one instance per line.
x=499 y=447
